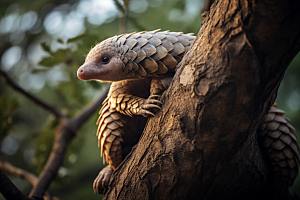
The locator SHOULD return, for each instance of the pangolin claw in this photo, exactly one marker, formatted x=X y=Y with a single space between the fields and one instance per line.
x=102 y=180
x=154 y=96
x=150 y=106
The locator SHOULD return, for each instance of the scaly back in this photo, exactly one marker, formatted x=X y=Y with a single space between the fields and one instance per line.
x=147 y=53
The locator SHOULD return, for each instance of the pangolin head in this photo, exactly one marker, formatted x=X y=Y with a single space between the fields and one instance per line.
x=135 y=56
x=103 y=63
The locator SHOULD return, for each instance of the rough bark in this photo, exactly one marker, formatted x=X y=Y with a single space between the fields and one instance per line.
x=203 y=143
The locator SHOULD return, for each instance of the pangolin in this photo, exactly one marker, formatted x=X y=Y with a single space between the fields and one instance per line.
x=141 y=66
x=278 y=140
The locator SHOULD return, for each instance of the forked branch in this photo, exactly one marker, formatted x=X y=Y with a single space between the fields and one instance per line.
x=21 y=173
x=65 y=131
x=30 y=96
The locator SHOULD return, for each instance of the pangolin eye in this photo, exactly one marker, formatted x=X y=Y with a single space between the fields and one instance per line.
x=105 y=59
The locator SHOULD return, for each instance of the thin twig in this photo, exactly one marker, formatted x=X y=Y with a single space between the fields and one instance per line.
x=29 y=177
x=87 y=111
x=65 y=132
x=9 y=190
x=123 y=19
x=120 y=7
x=123 y=24
x=23 y=174
x=33 y=98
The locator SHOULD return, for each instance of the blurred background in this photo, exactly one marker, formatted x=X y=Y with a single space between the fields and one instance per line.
x=42 y=44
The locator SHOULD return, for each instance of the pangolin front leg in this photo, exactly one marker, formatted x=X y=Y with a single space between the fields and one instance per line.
x=130 y=105
x=158 y=86
x=279 y=143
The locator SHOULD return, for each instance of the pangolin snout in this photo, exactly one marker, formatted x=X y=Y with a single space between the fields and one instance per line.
x=81 y=73
x=86 y=72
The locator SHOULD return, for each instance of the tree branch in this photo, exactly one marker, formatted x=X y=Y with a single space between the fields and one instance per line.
x=23 y=174
x=65 y=131
x=123 y=24
x=33 y=98
x=87 y=111
x=120 y=7
x=123 y=18
x=9 y=190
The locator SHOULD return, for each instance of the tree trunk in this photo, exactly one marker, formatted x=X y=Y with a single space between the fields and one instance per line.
x=203 y=142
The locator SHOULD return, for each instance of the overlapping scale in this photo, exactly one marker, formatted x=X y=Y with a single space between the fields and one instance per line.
x=143 y=47
x=147 y=53
x=110 y=125
x=279 y=141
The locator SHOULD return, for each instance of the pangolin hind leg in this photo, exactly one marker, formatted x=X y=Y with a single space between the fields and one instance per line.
x=109 y=132
x=159 y=85
x=102 y=180
x=279 y=143
x=112 y=125
x=110 y=129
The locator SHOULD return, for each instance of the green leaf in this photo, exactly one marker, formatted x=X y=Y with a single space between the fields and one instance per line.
x=61 y=54
x=75 y=39
x=49 y=62
x=60 y=41
x=46 y=47
x=39 y=70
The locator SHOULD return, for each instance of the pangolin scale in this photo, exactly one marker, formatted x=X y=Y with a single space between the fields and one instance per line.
x=143 y=64
x=278 y=139
x=148 y=56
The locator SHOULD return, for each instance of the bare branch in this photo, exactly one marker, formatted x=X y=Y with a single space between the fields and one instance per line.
x=33 y=98
x=23 y=174
x=120 y=7
x=123 y=19
x=87 y=111
x=126 y=3
x=123 y=24
x=9 y=190
x=65 y=131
